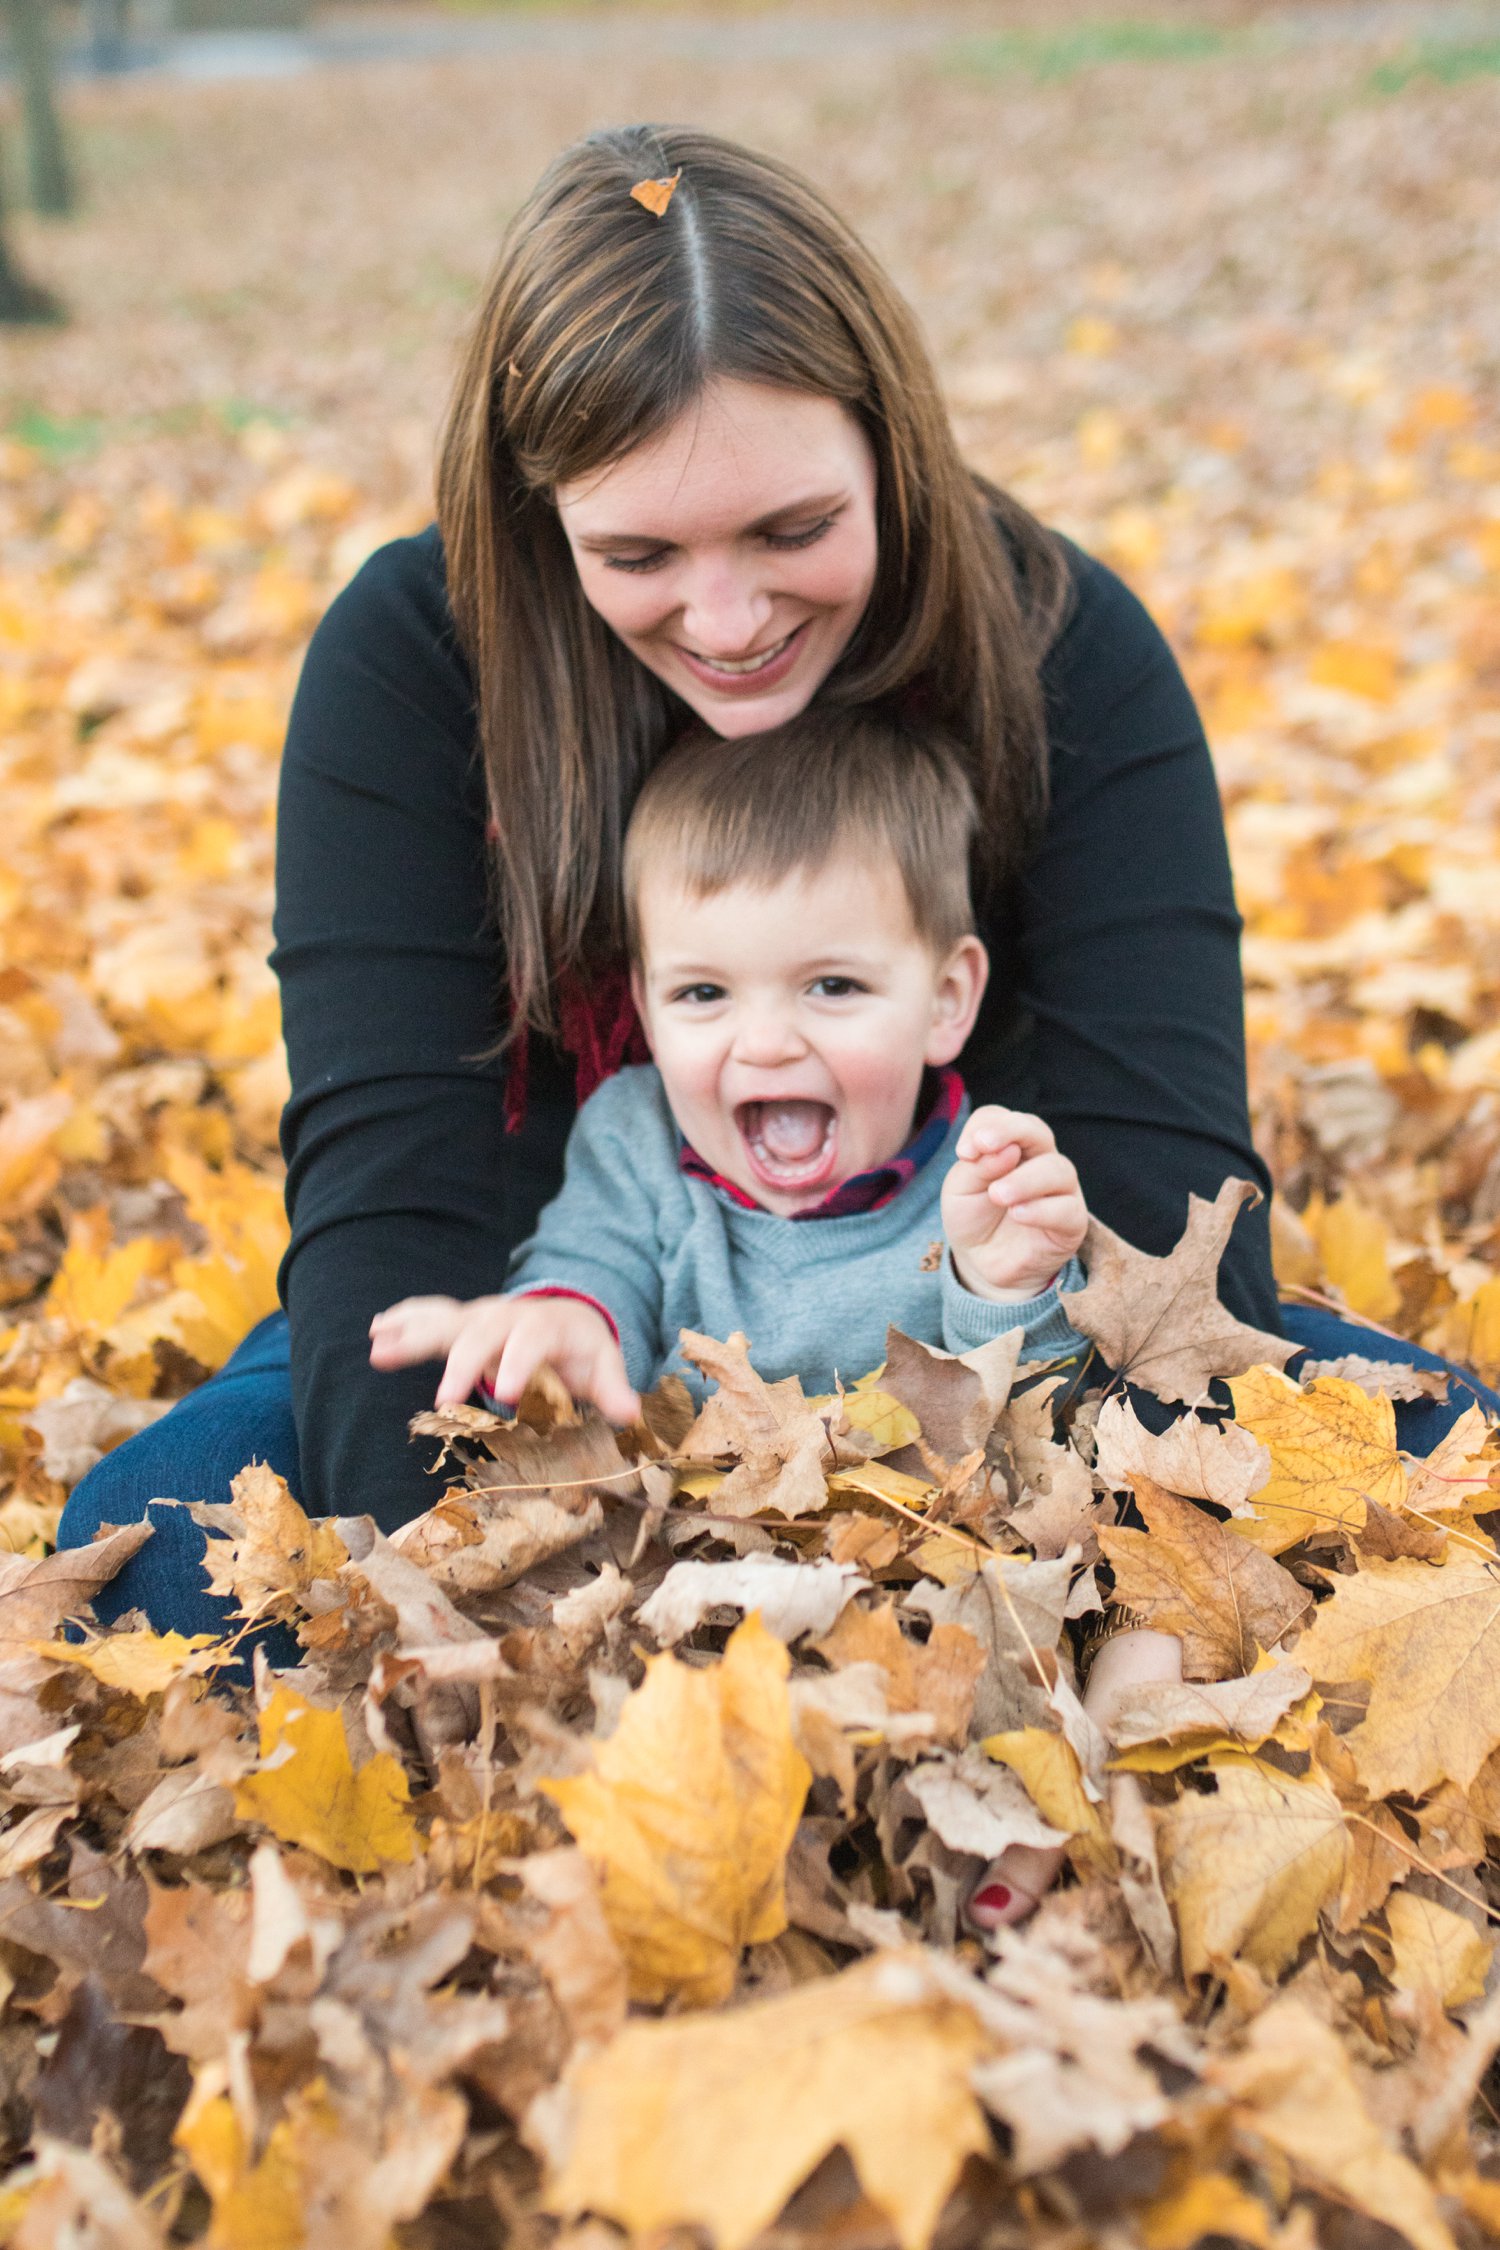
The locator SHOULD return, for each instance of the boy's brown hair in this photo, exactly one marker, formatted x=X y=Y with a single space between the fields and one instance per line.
x=766 y=806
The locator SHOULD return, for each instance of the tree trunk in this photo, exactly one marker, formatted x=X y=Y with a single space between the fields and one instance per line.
x=20 y=299
x=49 y=178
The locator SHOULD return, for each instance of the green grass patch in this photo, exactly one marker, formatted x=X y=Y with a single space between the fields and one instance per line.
x=1449 y=62
x=1086 y=46
x=56 y=437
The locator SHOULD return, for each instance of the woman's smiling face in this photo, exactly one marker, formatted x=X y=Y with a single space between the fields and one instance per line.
x=734 y=553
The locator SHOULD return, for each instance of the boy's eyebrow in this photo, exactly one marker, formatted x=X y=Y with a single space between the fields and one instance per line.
x=852 y=958
x=817 y=504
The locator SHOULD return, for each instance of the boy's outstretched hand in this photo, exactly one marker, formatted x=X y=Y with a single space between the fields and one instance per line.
x=502 y=1341
x=1013 y=1210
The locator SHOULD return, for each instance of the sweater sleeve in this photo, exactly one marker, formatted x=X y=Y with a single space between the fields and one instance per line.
x=1049 y=1334
x=600 y=1236
x=1120 y=966
x=401 y=1179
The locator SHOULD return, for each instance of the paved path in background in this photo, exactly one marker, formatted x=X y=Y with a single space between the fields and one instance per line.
x=209 y=57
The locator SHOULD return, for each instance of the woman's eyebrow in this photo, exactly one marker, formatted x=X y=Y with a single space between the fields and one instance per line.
x=816 y=504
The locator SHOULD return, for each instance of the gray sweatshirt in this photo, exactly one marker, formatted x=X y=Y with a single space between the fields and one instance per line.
x=663 y=1252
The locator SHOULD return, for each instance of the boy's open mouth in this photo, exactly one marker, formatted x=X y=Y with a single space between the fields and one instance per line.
x=791 y=1145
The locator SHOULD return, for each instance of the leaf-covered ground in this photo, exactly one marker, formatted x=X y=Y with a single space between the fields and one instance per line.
x=323 y=1959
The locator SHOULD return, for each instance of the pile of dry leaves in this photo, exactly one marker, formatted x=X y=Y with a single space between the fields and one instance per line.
x=601 y=1865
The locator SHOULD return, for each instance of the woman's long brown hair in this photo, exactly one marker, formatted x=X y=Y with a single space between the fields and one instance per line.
x=603 y=322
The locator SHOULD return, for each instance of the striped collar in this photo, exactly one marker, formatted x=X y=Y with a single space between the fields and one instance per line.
x=863 y=1191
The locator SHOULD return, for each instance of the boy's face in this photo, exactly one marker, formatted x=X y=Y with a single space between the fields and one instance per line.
x=791 y=1024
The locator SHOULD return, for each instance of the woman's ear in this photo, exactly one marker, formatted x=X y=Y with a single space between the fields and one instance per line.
x=955 y=1000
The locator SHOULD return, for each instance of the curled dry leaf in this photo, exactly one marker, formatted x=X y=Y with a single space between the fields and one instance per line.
x=1159 y=1320
x=264 y=1552
x=1195 y=1458
x=781 y=1449
x=977 y=1807
x=936 y=1678
x=790 y=1598
x=1227 y=1714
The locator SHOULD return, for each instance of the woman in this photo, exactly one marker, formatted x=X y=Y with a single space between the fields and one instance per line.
x=696 y=464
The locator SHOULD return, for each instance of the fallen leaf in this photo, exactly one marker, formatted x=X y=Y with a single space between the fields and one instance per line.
x=715 y=2121
x=1159 y=1320
x=1294 y=2091
x=1428 y=1641
x=791 y=1598
x=1196 y=1459
x=687 y=1816
x=1436 y=1950
x=1249 y=1868
x=936 y=1677
x=1331 y=1447
x=1190 y=1575
x=308 y=1791
x=142 y=1664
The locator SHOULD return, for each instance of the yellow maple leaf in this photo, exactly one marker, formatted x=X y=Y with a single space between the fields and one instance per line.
x=95 y=1280
x=688 y=1814
x=1330 y=1446
x=1047 y=1766
x=1428 y=1641
x=1294 y=2089
x=1472 y=1330
x=257 y=2203
x=1204 y=2203
x=308 y=1792
x=1248 y=1868
x=715 y=2121
x=142 y=1663
x=1355 y=1252
x=882 y=1417
x=1436 y=1950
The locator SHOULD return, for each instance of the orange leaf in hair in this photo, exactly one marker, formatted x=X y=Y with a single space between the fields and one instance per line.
x=656 y=194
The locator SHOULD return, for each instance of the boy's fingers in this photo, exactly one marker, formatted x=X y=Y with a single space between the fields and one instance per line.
x=1051 y=1174
x=992 y=1128
x=1061 y=1214
x=475 y=1350
x=421 y=1328
x=609 y=1386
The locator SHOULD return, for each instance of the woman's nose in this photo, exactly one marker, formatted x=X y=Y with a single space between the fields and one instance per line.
x=725 y=612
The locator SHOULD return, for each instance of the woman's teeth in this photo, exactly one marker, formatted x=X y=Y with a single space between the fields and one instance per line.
x=744 y=663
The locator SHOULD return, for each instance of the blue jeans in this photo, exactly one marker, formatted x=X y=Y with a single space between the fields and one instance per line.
x=245 y=1414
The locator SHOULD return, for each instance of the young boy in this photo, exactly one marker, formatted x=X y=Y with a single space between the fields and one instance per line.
x=800 y=1161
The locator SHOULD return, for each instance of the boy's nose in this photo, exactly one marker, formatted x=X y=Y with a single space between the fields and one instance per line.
x=766 y=1039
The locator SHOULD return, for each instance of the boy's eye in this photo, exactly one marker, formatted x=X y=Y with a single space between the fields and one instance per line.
x=699 y=995
x=836 y=988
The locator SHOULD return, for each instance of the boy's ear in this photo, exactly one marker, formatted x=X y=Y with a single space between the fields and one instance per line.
x=638 y=995
x=955 y=1001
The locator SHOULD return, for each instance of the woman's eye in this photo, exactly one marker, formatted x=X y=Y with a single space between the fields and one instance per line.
x=806 y=538
x=837 y=988
x=636 y=562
